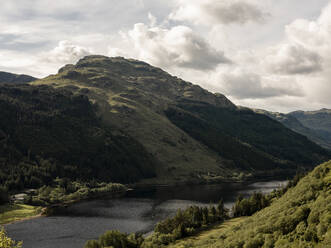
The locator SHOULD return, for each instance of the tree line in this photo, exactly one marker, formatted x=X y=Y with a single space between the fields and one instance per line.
x=184 y=223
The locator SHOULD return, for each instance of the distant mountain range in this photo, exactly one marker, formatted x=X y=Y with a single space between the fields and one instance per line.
x=316 y=125
x=124 y=120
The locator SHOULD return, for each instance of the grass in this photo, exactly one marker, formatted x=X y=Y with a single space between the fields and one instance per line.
x=11 y=213
x=208 y=237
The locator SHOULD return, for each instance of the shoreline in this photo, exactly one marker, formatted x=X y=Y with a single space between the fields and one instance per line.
x=13 y=213
x=45 y=211
x=24 y=219
x=55 y=210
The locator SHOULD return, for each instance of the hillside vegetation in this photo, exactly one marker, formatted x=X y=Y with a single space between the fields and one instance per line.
x=194 y=135
x=300 y=218
x=47 y=133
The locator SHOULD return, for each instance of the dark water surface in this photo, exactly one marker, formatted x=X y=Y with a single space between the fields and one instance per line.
x=138 y=211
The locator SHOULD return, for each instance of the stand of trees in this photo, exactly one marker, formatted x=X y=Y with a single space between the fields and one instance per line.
x=184 y=223
x=258 y=201
x=64 y=191
x=116 y=239
x=249 y=206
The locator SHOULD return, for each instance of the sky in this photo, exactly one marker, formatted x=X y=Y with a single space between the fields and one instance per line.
x=268 y=54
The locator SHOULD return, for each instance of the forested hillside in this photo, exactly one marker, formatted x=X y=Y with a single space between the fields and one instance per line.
x=252 y=141
x=47 y=133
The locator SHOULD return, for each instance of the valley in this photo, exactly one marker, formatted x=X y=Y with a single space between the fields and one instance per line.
x=104 y=125
x=165 y=124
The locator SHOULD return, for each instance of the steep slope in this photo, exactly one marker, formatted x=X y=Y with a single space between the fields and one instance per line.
x=47 y=133
x=10 y=78
x=257 y=141
x=317 y=133
x=300 y=218
x=193 y=133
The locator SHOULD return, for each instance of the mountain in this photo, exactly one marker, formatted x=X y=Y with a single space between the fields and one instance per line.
x=10 y=78
x=192 y=134
x=300 y=218
x=122 y=120
x=319 y=121
x=316 y=125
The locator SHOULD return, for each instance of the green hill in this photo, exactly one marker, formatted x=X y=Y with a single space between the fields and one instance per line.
x=123 y=120
x=300 y=218
x=213 y=139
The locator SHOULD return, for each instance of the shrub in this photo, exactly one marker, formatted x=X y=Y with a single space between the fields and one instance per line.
x=92 y=244
x=6 y=242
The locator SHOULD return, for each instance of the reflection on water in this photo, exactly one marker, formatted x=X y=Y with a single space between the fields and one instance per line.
x=139 y=211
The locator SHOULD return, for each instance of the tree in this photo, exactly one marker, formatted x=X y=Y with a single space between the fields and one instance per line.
x=6 y=242
x=212 y=214
x=221 y=211
x=205 y=216
x=92 y=244
x=114 y=239
x=4 y=196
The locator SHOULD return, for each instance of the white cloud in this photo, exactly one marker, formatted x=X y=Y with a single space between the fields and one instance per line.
x=307 y=48
x=293 y=59
x=211 y=12
x=178 y=46
x=303 y=57
x=42 y=63
x=65 y=53
x=241 y=85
